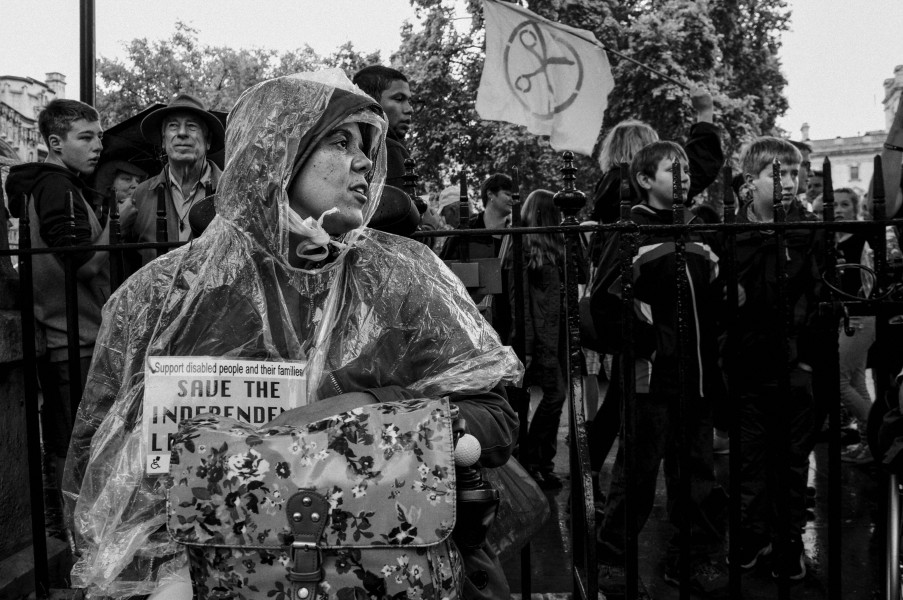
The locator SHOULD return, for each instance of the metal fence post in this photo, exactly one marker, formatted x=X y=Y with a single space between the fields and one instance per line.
x=878 y=242
x=463 y=217
x=87 y=69
x=117 y=270
x=32 y=424
x=628 y=249
x=72 y=329
x=735 y=463
x=569 y=200
x=892 y=536
x=683 y=337
x=784 y=519
x=162 y=230
x=523 y=408
x=832 y=372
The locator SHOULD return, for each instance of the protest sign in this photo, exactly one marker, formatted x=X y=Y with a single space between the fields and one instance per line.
x=181 y=387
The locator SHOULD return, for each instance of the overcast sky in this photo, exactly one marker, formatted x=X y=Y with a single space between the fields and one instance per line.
x=835 y=57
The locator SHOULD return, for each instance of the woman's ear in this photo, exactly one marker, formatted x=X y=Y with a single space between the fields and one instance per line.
x=748 y=178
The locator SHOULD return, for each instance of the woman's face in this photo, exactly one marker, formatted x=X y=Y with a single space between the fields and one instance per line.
x=124 y=185
x=334 y=177
x=844 y=207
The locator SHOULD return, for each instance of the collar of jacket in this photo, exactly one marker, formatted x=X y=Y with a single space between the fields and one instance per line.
x=390 y=136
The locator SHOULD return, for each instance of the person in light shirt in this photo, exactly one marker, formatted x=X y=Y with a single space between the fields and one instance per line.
x=187 y=132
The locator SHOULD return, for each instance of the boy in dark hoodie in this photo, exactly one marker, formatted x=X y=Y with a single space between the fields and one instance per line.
x=658 y=391
x=774 y=468
x=48 y=193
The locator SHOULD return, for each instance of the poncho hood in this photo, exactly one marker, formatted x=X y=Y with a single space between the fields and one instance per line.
x=228 y=290
x=272 y=131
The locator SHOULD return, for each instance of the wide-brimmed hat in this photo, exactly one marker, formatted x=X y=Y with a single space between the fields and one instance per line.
x=152 y=123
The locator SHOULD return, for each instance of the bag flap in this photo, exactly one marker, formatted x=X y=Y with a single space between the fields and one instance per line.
x=386 y=469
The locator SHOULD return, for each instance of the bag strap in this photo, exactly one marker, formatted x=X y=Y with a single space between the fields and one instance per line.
x=307 y=513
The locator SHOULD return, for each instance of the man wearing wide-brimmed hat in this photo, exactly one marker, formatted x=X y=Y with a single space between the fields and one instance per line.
x=187 y=133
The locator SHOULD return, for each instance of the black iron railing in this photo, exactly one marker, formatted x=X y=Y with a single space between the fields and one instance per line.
x=886 y=301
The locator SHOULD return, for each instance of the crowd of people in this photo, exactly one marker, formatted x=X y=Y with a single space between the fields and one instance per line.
x=299 y=251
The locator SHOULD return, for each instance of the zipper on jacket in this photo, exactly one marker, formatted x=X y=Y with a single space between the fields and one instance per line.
x=335 y=385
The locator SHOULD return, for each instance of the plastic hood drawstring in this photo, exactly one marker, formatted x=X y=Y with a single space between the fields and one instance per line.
x=315 y=245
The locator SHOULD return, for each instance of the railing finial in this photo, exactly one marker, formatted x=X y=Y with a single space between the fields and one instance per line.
x=569 y=199
x=677 y=190
x=777 y=191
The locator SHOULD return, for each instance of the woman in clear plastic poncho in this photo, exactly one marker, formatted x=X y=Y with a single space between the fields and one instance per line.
x=377 y=317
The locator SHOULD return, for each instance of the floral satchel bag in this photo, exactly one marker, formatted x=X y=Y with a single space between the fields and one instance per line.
x=359 y=505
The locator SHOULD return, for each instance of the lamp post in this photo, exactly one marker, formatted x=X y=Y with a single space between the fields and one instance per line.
x=87 y=52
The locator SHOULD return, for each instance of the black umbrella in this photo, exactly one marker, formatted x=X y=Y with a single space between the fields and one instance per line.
x=124 y=141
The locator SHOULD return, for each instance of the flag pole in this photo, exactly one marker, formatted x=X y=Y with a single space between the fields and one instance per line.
x=644 y=66
x=599 y=44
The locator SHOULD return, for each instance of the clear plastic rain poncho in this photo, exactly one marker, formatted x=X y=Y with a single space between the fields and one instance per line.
x=380 y=311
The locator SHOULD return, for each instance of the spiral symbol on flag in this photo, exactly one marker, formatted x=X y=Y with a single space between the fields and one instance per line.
x=528 y=65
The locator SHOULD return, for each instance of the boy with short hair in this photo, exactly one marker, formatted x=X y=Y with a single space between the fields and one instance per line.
x=659 y=432
x=766 y=351
x=72 y=133
x=497 y=196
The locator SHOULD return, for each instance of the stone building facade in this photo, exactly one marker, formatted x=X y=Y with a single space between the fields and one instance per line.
x=852 y=158
x=21 y=100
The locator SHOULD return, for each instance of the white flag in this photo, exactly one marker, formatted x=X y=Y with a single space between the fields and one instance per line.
x=547 y=76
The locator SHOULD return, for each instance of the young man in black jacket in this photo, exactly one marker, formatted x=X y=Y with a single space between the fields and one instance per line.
x=54 y=191
x=392 y=90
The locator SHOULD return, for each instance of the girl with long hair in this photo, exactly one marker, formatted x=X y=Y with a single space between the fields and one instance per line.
x=544 y=333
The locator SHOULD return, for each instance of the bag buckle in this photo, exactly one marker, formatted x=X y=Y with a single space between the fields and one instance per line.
x=308 y=513
x=307 y=563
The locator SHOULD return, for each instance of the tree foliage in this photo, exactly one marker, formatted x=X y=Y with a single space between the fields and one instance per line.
x=728 y=46
x=155 y=71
